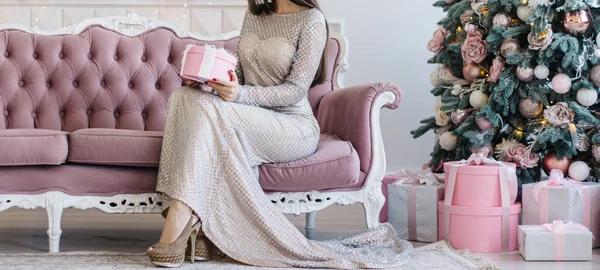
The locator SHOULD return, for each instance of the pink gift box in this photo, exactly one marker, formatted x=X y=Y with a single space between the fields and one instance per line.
x=479 y=185
x=479 y=229
x=203 y=63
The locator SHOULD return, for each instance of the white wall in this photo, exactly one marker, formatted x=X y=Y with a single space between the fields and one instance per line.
x=387 y=43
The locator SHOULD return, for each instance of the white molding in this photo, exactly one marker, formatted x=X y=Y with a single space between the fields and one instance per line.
x=370 y=195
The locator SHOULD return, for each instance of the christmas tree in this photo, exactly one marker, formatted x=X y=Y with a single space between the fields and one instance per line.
x=518 y=79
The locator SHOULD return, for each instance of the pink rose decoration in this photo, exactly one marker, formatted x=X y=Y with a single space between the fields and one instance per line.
x=516 y=153
x=436 y=44
x=541 y=41
x=559 y=115
x=529 y=161
x=496 y=69
x=474 y=49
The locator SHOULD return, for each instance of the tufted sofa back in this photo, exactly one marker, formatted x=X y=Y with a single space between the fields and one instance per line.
x=100 y=78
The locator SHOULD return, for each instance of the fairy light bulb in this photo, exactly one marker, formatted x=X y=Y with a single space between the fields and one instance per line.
x=525 y=2
x=544 y=122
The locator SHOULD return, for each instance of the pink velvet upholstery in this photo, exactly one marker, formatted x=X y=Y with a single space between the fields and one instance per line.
x=110 y=92
x=115 y=147
x=32 y=147
x=77 y=179
x=347 y=113
x=334 y=165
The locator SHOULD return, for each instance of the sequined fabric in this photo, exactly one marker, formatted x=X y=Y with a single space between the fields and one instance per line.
x=212 y=150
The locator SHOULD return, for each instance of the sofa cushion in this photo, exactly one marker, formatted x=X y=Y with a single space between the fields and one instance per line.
x=335 y=164
x=32 y=147
x=116 y=147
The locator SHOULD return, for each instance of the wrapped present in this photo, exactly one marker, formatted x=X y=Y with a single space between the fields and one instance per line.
x=412 y=205
x=203 y=63
x=480 y=191
x=559 y=241
x=560 y=198
x=477 y=181
x=383 y=215
x=480 y=229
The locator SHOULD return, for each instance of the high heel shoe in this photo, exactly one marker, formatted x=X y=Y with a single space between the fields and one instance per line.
x=173 y=254
x=203 y=249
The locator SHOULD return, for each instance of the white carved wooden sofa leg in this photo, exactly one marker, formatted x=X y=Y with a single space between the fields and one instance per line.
x=310 y=224
x=54 y=209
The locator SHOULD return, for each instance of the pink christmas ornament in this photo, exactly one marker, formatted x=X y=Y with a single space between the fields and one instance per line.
x=525 y=74
x=484 y=124
x=501 y=20
x=561 y=83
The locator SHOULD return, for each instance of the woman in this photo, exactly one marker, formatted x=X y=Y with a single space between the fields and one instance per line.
x=213 y=146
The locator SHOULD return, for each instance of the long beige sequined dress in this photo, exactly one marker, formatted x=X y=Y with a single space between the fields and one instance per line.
x=212 y=150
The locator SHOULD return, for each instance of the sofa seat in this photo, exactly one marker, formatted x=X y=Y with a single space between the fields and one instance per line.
x=335 y=164
x=115 y=147
x=26 y=147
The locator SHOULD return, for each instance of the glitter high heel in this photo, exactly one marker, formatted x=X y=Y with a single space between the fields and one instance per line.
x=203 y=248
x=173 y=254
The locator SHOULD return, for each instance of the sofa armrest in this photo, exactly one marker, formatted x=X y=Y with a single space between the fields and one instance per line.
x=353 y=114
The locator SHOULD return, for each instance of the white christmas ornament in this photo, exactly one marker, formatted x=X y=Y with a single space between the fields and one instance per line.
x=448 y=141
x=579 y=171
x=524 y=12
x=478 y=99
x=434 y=79
x=597 y=52
x=598 y=39
x=541 y=72
x=587 y=97
x=456 y=89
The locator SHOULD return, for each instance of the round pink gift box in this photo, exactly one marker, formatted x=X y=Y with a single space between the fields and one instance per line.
x=477 y=185
x=223 y=63
x=479 y=229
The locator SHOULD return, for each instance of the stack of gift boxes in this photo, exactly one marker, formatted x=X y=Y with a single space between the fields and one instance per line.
x=474 y=207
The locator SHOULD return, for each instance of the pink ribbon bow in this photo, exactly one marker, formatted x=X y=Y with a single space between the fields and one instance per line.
x=560 y=228
x=477 y=158
x=422 y=177
x=541 y=195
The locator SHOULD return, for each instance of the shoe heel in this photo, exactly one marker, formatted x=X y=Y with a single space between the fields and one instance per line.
x=193 y=237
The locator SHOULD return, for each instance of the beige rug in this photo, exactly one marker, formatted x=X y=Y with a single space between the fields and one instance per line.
x=434 y=256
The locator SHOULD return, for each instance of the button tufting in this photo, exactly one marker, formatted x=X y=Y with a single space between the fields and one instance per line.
x=90 y=56
x=170 y=60
x=116 y=114
x=144 y=114
x=35 y=56
x=6 y=54
x=130 y=84
x=21 y=83
x=144 y=58
x=157 y=85
x=6 y=113
x=89 y=112
x=61 y=55
x=103 y=83
x=115 y=57
x=61 y=114
x=33 y=115
x=48 y=84
x=75 y=83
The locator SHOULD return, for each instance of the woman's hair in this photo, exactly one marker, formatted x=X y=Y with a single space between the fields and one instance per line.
x=268 y=8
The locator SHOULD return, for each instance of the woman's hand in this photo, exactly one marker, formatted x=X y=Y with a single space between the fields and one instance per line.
x=195 y=84
x=227 y=90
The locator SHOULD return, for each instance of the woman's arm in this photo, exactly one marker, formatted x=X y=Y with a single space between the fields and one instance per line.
x=239 y=72
x=304 y=68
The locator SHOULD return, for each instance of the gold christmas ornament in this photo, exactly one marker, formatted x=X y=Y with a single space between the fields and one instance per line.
x=472 y=71
x=459 y=116
x=530 y=108
x=577 y=22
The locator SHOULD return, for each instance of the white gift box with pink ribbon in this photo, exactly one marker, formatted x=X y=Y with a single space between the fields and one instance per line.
x=412 y=205
x=558 y=241
x=560 y=198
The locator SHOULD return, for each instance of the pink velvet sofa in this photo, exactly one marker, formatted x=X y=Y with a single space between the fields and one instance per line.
x=83 y=114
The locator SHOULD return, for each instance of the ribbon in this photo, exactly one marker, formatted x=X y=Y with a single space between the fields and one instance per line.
x=508 y=176
x=422 y=177
x=559 y=229
x=411 y=206
x=208 y=61
x=541 y=195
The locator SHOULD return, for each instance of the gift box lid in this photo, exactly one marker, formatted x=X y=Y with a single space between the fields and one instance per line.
x=221 y=53
x=479 y=211
x=483 y=169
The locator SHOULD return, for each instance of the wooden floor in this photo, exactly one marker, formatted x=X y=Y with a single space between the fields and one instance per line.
x=24 y=231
